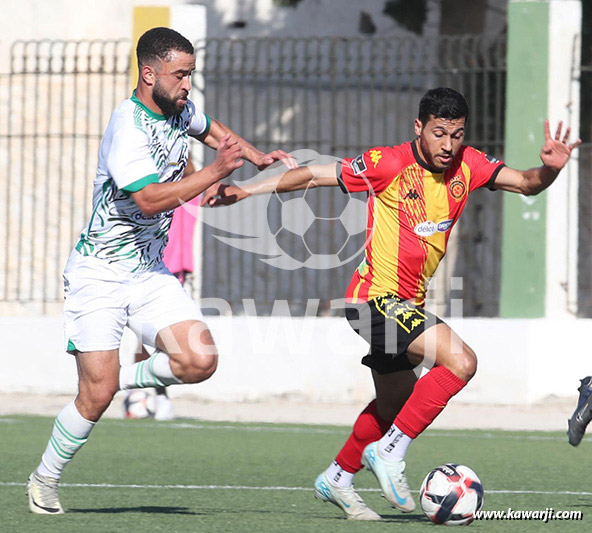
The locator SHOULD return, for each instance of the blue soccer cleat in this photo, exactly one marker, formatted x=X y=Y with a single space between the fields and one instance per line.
x=391 y=477
x=346 y=498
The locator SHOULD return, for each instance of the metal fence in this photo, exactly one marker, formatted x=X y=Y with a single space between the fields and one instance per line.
x=335 y=96
x=55 y=102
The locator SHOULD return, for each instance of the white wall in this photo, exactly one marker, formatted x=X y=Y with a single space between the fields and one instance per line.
x=565 y=23
x=87 y=19
x=112 y=19
x=317 y=359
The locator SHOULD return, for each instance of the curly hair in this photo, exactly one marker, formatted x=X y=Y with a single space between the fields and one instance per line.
x=443 y=102
x=158 y=43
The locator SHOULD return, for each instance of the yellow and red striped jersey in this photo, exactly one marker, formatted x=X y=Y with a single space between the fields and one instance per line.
x=411 y=210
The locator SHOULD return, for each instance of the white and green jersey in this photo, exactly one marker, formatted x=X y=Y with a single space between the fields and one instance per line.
x=139 y=147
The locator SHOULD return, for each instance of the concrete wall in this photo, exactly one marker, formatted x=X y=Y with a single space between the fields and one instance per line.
x=521 y=361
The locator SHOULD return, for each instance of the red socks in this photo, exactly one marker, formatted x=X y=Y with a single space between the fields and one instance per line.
x=430 y=395
x=368 y=428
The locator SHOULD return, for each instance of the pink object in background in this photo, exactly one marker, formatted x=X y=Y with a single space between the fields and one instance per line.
x=178 y=254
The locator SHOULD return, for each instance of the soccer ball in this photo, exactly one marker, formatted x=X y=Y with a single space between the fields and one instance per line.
x=138 y=404
x=450 y=494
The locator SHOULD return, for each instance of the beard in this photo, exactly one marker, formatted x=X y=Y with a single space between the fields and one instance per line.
x=429 y=159
x=168 y=105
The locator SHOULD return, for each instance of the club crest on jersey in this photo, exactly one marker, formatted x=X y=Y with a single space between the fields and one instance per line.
x=359 y=165
x=457 y=188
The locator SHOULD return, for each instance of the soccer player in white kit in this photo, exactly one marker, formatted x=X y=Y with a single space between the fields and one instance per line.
x=115 y=275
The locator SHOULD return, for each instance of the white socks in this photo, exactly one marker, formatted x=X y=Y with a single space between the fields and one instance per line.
x=153 y=372
x=70 y=431
x=393 y=445
x=338 y=477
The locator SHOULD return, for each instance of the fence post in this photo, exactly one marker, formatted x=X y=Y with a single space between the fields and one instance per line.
x=533 y=264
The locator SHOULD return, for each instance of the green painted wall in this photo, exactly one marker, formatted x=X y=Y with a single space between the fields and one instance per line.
x=523 y=239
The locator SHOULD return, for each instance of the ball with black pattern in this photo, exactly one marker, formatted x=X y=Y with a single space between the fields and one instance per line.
x=451 y=494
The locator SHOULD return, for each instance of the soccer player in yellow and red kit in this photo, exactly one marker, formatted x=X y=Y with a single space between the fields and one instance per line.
x=416 y=193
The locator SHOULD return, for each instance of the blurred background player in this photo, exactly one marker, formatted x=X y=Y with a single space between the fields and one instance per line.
x=577 y=424
x=178 y=258
x=115 y=276
x=416 y=193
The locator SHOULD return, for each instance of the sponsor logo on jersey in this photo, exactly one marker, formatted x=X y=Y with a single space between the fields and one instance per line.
x=426 y=229
x=429 y=228
x=445 y=225
x=491 y=159
x=457 y=188
x=375 y=156
x=359 y=165
x=141 y=216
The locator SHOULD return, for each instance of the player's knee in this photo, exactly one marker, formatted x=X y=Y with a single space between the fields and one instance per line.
x=92 y=402
x=466 y=365
x=197 y=367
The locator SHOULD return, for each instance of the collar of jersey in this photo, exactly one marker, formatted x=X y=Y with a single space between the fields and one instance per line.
x=149 y=111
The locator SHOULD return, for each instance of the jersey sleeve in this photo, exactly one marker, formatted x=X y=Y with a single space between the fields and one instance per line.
x=130 y=163
x=372 y=172
x=484 y=168
x=199 y=124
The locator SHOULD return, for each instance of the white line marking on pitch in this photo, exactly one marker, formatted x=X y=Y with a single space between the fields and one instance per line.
x=293 y=489
x=434 y=433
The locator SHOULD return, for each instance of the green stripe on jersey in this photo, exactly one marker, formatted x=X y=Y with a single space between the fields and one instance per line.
x=149 y=111
x=208 y=124
x=141 y=183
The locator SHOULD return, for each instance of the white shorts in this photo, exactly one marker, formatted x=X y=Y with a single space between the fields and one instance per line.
x=101 y=299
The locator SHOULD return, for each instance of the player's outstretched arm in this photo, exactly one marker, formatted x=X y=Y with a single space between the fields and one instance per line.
x=555 y=154
x=160 y=197
x=261 y=160
x=300 y=178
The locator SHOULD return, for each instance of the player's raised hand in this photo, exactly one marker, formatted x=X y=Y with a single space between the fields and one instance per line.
x=222 y=194
x=556 y=151
x=277 y=155
x=228 y=156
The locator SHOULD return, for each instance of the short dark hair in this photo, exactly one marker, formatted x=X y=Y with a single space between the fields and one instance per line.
x=158 y=43
x=443 y=102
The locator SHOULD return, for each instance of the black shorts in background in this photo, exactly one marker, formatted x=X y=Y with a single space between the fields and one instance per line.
x=390 y=325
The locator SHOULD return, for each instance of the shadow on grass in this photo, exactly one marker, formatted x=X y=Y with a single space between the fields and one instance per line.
x=581 y=503
x=148 y=509
x=404 y=518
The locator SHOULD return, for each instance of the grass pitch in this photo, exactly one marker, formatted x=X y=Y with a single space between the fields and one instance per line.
x=188 y=475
